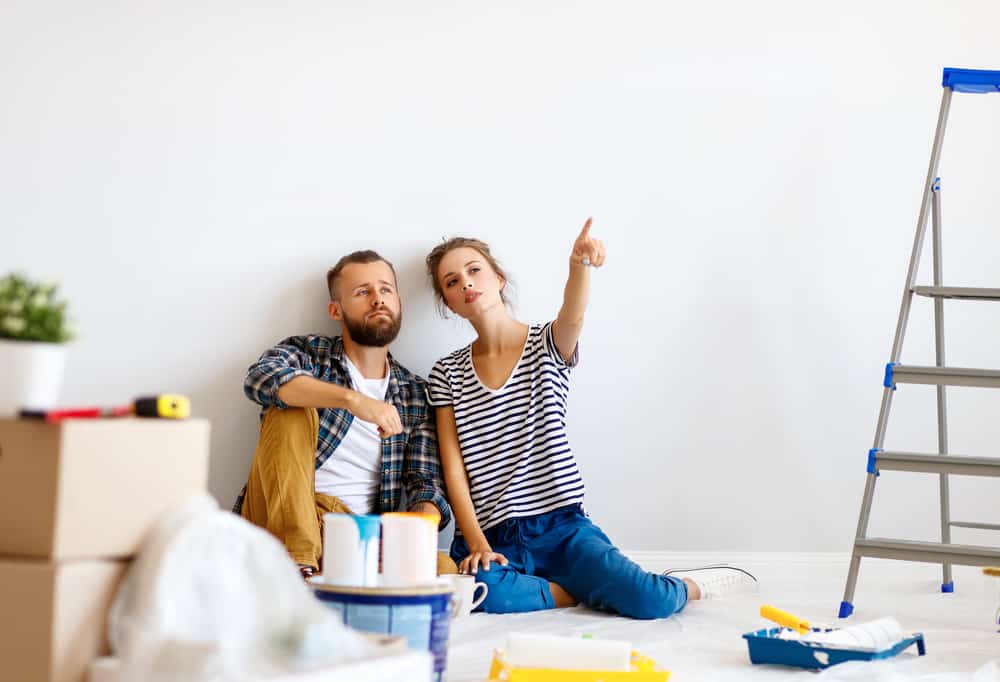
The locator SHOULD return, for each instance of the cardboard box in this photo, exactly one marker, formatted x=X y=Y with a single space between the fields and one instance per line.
x=54 y=617
x=92 y=488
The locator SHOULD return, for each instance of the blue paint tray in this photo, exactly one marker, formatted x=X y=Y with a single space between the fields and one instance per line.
x=766 y=647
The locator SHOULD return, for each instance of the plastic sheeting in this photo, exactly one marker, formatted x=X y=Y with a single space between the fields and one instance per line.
x=212 y=598
x=884 y=671
x=704 y=642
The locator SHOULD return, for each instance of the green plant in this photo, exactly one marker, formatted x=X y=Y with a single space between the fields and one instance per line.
x=30 y=311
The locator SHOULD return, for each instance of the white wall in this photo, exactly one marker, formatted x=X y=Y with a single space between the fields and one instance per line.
x=755 y=169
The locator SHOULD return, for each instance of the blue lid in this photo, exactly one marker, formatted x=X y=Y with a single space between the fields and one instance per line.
x=368 y=525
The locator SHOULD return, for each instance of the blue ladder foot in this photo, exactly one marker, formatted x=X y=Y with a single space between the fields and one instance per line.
x=948 y=587
x=846 y=609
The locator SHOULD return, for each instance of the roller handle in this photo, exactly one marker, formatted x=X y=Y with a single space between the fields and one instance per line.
x=784 y=619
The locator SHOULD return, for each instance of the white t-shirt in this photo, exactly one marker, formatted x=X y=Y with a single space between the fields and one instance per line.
x=513 y=438
x=354 y=470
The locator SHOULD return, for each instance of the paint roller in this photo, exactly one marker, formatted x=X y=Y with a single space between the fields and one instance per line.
x=528 y=650
x=545 y=658
x=876 y=635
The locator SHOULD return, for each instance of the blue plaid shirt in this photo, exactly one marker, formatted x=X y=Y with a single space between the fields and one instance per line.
x=410 y=461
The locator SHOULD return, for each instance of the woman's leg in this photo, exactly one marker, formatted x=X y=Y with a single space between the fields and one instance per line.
x=579 y=557
x=510 y=588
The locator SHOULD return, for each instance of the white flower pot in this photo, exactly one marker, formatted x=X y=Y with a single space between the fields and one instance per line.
x=30 y=375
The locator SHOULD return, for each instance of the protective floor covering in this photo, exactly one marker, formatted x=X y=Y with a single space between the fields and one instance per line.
x=704 y=641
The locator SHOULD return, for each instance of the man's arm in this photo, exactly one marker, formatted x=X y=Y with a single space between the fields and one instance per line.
x=422 y=470
x=285 y=376
x=277 y=366
x=302 y=391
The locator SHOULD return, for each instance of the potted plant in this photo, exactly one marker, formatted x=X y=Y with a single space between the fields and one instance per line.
x=34 y=330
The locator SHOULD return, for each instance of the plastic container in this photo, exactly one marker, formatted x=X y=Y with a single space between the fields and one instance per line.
x=409 y=549
x=350 y=545
x=421 y=614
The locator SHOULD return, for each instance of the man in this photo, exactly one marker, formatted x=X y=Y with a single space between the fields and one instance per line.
x=344 y=427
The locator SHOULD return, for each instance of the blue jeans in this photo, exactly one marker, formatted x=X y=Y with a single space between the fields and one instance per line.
x=566 y=548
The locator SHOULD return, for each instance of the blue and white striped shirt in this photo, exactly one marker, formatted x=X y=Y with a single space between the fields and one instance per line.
x=513 y=439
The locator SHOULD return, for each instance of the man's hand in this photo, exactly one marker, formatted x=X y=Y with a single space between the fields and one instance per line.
x=426 y=508
x=383 y=415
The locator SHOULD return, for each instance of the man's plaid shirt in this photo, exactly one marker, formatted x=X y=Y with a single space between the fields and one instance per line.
x=410 y=461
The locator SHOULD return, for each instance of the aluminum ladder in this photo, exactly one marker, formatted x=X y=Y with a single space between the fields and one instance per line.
x=940 y=375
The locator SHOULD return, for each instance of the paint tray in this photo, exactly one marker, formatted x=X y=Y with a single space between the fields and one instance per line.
x=767 y=647
x=643 y=670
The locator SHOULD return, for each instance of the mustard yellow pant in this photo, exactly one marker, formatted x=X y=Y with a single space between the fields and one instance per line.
x=281 y=492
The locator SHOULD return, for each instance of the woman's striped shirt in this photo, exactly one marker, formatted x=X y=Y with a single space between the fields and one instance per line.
x=513 y=438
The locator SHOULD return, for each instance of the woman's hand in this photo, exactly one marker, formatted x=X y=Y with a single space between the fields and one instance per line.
x=480 y=555
x=586 y=250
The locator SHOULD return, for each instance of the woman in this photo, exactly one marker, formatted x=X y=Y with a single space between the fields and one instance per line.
x=513 y=483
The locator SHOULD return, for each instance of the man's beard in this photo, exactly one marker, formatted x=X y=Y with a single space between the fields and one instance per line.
x=375 y=331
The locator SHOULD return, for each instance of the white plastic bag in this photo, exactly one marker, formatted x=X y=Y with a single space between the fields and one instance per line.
x=213 y=598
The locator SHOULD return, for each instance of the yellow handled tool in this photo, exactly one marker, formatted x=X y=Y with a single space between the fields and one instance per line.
x=165 y=406
x=785 y=619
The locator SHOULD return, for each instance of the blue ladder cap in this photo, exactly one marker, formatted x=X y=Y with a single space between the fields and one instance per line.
x=887 y=381
x=872 y=454
x=368 y=526
x=948 y=587
x=971 y=80
x=846 y=609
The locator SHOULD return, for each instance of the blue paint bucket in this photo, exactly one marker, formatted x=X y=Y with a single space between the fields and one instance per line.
x=421 y=614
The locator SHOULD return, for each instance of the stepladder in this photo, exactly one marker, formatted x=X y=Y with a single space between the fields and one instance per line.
x=941 y=375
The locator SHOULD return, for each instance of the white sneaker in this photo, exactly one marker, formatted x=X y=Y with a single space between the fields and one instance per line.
x=717 y=580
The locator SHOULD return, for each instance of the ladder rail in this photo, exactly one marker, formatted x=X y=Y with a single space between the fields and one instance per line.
x=944 y=493
x=918 y=239
x=864 y=516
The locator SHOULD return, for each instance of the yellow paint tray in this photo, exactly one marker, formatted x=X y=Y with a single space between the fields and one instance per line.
x=644 y=669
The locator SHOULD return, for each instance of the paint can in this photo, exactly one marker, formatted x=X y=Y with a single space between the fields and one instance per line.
x=421 y=613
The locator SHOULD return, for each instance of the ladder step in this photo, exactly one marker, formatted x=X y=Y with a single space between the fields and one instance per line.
x=938 y=464
x=929 y=552
x=980 y=526
x=967 y=293
x=970 y=80
x=945 y=376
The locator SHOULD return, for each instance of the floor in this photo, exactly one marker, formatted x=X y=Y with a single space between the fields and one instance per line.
x=704 y=642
